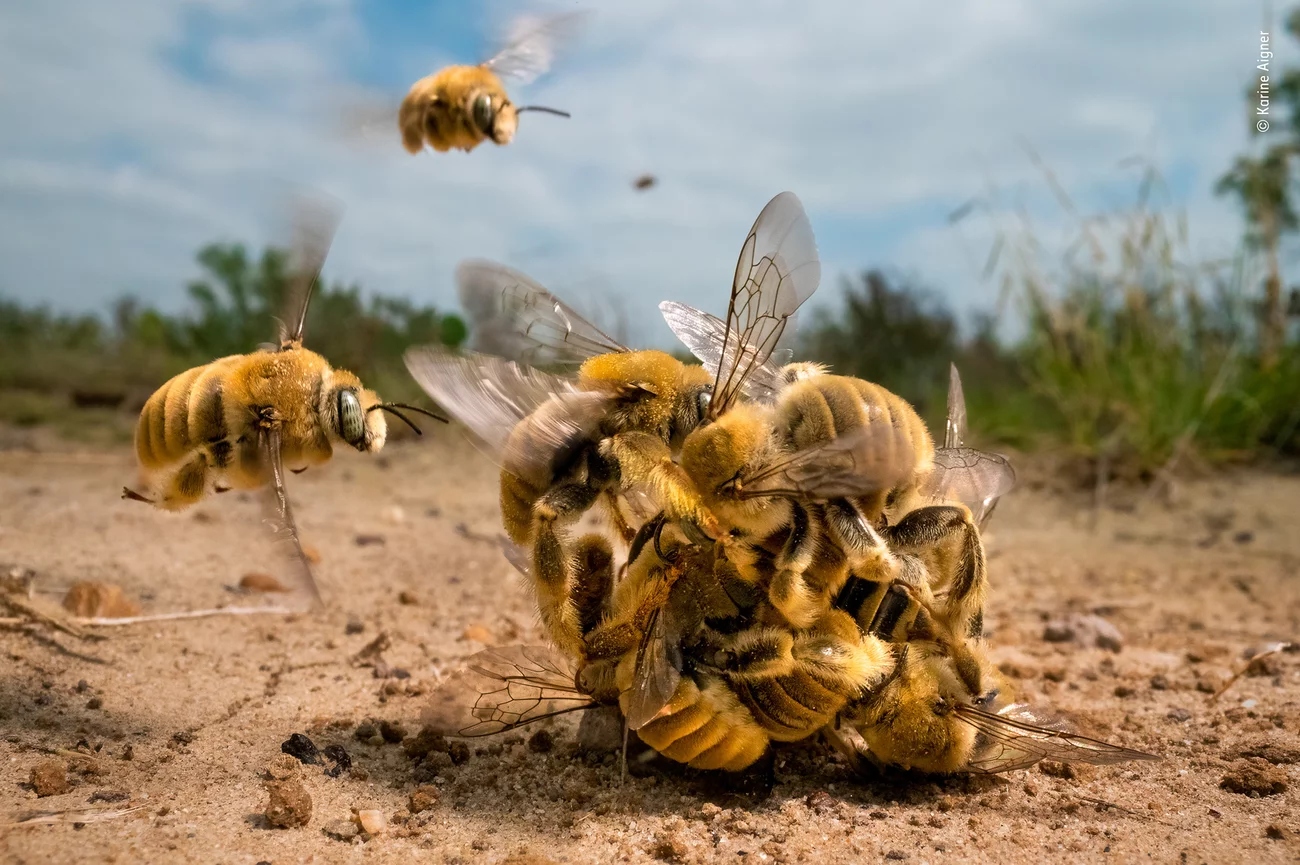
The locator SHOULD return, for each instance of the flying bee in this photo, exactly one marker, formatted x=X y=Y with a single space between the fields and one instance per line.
x=238 y=421
x=565 y=443
x=463 y=106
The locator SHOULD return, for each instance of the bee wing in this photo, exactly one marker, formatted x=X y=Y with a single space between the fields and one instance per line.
x=955 y=429
x=490 y=395
x=515 y=317
x=500 y=689
x=776 y=272
x=658 y=672
x=518 y=556
x=280 y=519
x=1007 y=742
x=859 y=462
x=315 y=222
x=706 y=336
x=531 y=45
x=975 y=478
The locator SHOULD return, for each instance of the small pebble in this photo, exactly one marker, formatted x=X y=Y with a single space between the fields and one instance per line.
x=354 y=626
x=408 y=599
x=372 y=821
x=422 y=798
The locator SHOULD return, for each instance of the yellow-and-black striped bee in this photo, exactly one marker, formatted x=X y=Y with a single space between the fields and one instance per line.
x=236 y=422
x=460 y=107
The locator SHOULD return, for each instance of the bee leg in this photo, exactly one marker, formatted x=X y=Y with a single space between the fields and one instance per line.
x=552 y=566
x=789 y=592
x=593 y=580
x=132 y=496
x=945 y=540
x=645 y=459
x=626 y=532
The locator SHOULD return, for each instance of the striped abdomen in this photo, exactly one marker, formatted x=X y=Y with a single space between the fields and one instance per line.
x=823 y=407
x=186 y=413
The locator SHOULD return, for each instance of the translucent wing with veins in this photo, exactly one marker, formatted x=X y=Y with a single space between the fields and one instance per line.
x=532 y=43
x=963 y=474
x=1012 y=739
x=706 y=335
x=501 y=689
x=777 y=270
x=515 y=317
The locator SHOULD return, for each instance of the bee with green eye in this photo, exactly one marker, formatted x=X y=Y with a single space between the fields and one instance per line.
x=460 y=107
x=236 y=422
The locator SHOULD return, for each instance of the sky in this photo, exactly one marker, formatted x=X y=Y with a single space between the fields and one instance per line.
x=134 y=132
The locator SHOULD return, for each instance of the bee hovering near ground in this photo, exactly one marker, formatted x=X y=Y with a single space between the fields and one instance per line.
x=238 y=421
x=463 y=106
x=565 y=443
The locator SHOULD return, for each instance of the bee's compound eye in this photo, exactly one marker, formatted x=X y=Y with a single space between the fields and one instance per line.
x=352 y=423
x=702 y=401
x=482 y=111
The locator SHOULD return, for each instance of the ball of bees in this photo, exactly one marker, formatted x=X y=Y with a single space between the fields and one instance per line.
x=814 y=565
x=460 y=107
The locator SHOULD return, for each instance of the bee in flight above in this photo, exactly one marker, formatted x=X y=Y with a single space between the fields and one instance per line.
x=237 y=421
x=460 y=107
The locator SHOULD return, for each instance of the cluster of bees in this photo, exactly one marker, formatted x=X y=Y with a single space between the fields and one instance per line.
x=779 y=552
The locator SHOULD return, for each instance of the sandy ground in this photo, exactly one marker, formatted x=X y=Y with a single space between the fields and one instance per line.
x=180 y=718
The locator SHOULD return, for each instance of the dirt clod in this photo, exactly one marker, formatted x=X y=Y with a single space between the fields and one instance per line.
x=95 y=703
x=1255 y=777
x=479 y=634
x=369 y=540
x=108 y=796
x=1276 y=833
x=392 y=732
x=459 y=752
x=289 y=804
x=342 y=830
x=1277 y=753
x=303 y=748
x=282 y=766
x=408 y=599
x=339 y=756
x=50 y=778
x=541 y=742
x=669 y=847
x=423 y=742
x=422 y=798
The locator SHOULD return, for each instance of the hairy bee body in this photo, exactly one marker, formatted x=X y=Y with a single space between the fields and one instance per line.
x=199 y=431
x=439 y=110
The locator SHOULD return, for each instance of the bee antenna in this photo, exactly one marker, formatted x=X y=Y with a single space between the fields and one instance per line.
x=416 y=408
x=388 y=408
x=524 y=108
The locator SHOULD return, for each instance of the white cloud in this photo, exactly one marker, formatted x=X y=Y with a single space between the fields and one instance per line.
x=871 y=113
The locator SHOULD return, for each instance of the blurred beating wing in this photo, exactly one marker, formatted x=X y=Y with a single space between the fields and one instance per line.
x=515 y=317
x=531 y=45
x=316 y=220
x=776 y=272
x=1006 y=742
x=500 y=689
x=955 y=429
x=490 y=396
x=706 y=335
x=859 y=462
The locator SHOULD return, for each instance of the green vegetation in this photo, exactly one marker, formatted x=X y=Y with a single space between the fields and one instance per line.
x=51 y=363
